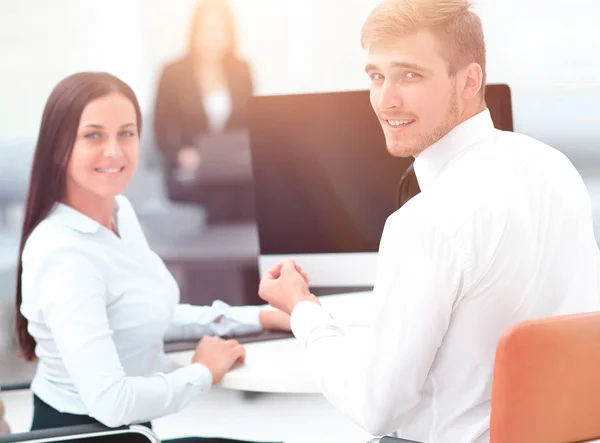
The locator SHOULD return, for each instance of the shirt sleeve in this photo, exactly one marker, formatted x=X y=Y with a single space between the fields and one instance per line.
x=72 y=297
x=377 y=380
x=193 y=322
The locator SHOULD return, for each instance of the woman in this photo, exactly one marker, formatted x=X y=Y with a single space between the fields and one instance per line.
x=94 y=303
x=204 y=92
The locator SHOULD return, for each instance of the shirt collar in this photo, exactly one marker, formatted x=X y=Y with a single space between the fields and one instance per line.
x=72 y=218
x=431 y=162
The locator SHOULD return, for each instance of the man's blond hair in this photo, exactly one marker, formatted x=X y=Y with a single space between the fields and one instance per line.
x=457 y=28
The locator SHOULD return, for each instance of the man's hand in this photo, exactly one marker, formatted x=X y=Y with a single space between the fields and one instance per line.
x=219 y=356
x=284 y=286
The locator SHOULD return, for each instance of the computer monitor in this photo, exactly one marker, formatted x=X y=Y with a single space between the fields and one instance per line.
x=324 y=182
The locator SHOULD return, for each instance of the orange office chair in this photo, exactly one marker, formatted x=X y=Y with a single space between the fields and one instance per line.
x=546 y=386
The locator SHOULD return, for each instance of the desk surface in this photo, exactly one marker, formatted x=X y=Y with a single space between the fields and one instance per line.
x=280 y=365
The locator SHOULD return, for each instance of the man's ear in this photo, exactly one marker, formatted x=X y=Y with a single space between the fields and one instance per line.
x=473 y=81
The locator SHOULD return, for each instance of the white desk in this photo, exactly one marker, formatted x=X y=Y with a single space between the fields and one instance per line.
x=279 y=365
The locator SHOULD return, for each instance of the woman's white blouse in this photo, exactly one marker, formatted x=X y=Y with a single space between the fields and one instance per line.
x=100 y=307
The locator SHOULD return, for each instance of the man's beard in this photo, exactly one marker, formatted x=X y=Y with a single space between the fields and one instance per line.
x=426 y=140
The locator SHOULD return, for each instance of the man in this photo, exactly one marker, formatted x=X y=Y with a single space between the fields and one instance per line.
x=500 y=233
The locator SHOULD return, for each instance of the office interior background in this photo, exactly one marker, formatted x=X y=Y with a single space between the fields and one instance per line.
x=545 y=50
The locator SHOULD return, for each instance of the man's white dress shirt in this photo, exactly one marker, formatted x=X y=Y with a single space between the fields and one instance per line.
x=501 y=232
x=100 y=307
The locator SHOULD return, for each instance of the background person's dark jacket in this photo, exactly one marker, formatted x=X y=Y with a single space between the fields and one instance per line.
x=180 y=117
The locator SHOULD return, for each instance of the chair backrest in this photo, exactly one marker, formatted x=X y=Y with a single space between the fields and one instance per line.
x=546 y=386
x=388 y=439
x=85 y=433
x=498 y=98
x=408 y=186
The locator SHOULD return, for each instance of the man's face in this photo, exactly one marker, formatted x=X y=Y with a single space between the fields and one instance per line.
x=415 y=99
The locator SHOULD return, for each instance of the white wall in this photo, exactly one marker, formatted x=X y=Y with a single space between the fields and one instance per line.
x=545 y=49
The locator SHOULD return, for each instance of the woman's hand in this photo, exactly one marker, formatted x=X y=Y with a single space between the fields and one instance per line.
x=219 y=356
x=274 y=320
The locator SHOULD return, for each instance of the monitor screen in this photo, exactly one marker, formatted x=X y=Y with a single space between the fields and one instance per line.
x=324 y=180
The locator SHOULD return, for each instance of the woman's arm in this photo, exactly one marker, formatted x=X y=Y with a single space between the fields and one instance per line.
x=71 y=294
x=193 y=322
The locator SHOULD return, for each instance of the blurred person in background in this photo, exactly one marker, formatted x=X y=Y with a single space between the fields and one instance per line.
x=204 y=93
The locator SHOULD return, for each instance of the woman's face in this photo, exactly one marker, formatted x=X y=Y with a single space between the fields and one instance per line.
x=106 y=149
x=212 y=38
